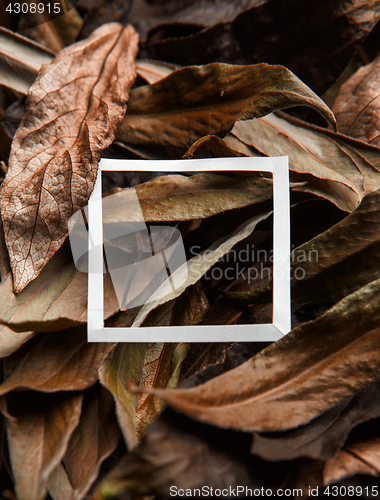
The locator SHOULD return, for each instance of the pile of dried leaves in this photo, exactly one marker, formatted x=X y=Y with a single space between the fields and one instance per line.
x=212 y=80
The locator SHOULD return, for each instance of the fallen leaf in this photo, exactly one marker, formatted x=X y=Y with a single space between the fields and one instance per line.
x=56 y=300
x=197 y=101
x=341 y=259
x=20 y=60
x=323 y=437
x=151 y=365
x=280 y=388
x=172 y=454
x=146 y=16
x=152 y=71
x=63 y=361
x=94 y=439
x=336 y=167
x=156 y=372
x=359 y=458
x=314 y=40
x=38 y=442
x=124 y=364
x=179 y=198
x=357 y=104
x=49 y=179
x=58 y=484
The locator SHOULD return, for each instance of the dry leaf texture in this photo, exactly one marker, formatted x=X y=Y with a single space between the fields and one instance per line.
x=72 y=113
x=358 y=103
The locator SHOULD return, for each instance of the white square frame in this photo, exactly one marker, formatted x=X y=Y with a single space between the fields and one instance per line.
x=279 y=167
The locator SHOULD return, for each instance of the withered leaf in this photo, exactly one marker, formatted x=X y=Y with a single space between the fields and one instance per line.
x=59 y=486
x=172 y=453
x=197 y=101
x=56 y=300
x=178 y=197
x=124 y=364
x=58 y=362
x=151 y=365
x=157 y=372
x=315 y=40
x=94 y=439
x=280 y=387
x=341 y=259
x=331 y=165
x=358 y=458
x=55 y=152
x=20 y=60
x=153 y=71
x=323 y=437
x=39 y=439
x=356 y=106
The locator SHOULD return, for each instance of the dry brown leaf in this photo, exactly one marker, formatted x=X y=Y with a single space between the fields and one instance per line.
x=56 y=300
x=153 y=71
x=179 y=197
x=357 y=105
x=39 y=439
x=95 y=438
x=152 y=365
x=124 y=364
x=72 y=113
x=201 y=100
x=63 y=361
x=331 y=165
x=280 y=388
x=358 y=458
x=20 y=60
x=155 y=373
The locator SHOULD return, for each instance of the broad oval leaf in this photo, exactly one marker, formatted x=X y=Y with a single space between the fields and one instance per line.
x=56 y=149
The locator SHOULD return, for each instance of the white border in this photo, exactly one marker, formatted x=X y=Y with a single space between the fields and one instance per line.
x=279 y=166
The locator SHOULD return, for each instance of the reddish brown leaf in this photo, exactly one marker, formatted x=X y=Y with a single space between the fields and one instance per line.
x=55 y=151
x=359 y=458
x=357 y=105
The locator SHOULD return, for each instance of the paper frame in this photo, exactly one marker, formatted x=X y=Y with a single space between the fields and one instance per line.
x=281 y=325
